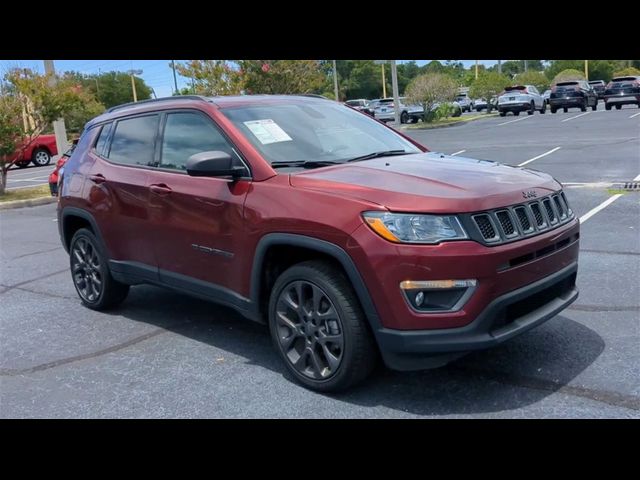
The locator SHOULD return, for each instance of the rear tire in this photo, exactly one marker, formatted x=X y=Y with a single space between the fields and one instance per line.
x=618 y=107
x=404 y=117
x=503 y=114
x=543 y=110
x=517 y=113
x=300 y=306
x=594 y=107
x=553 y=109
x=40 y=157
x=607 y=106
x=583 y=107
x=90 y=273
x=532 y=109
x=565 y=109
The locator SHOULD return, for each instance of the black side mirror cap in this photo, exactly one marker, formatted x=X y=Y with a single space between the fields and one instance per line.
x=213 y=164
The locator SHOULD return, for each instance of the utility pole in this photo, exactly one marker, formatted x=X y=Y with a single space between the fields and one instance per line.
x=500 y=66
x=175 y=80
x=394 y=85
x=384 y=83
x=335 y=81
x=133 y=82
x=586 y=69
x=58 y=125
x=525 y=65
x=476 y=69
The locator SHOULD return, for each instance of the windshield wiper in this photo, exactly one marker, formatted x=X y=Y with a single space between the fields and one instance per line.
x=304 y=164
x=386 y=153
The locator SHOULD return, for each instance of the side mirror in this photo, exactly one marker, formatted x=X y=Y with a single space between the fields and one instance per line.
x=213 y=164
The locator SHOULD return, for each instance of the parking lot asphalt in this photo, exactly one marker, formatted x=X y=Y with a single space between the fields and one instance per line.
x=31 y=176
x=162 y=354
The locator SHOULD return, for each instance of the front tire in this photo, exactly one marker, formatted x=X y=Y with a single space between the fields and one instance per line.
x=41 y=157
x=503 y=114
x=583 y=107
x=607 y=106
x=553 y=109
x=543 y=110
x=517 y=113
x=318 y=327
x=532 y=109
x=94 y=284
x=404 y=117
x=565 y=109
x=618 y=107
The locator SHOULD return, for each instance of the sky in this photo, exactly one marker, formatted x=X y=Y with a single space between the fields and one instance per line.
x=156 y=73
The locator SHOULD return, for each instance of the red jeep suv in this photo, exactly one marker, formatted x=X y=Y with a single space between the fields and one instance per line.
x=350 y=240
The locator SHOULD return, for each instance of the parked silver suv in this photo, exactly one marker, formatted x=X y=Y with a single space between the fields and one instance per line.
x=521 y=98
x=385 y=111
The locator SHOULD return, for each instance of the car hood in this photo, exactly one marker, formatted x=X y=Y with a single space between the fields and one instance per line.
x=429 y=182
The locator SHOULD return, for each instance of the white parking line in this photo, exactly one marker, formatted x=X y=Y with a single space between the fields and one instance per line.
x=34 y=179
x=634 y=115
x=581 y=115
x=517 y=120
x=457 y=153
x=539 y=156
x=603 y=205
x=637 y=179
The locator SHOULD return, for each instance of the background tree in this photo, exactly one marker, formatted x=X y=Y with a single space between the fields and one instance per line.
x=630 y=71
x=487 y=86
x=212 y=77
x=567 y=76
x=282 y=76
x=30 y=105
x=537 y=79
x=111 y=88
x=430 y=89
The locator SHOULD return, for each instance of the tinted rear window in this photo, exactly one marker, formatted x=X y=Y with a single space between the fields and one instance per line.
x=624 y=79
x=567 y=84
x=102 y=139
x=134 y=140
x=517 y=87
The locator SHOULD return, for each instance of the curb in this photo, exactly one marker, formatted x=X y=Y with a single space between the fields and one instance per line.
x=34 y=202
x=454 y=124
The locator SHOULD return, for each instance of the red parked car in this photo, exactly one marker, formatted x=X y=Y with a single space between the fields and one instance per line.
x=349 y=239
x=53 y=176
x=39 y=152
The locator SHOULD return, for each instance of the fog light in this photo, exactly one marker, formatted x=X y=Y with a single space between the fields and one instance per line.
x=438 y=295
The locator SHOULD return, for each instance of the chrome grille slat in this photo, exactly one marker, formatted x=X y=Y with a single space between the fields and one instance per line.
x=522 y=220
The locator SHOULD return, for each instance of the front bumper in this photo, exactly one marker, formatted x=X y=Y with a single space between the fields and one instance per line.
x=505 y=317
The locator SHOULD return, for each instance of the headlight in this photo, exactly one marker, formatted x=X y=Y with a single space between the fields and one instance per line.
x=412 y=228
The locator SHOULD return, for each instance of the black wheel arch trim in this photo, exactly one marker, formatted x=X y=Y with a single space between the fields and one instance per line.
x=79 y=212
x=322 y=246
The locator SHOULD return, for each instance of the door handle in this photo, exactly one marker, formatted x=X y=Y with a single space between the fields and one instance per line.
x=98 y=178
x=160 y=189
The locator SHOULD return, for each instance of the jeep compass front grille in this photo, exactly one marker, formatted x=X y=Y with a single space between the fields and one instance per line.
x=503 y=225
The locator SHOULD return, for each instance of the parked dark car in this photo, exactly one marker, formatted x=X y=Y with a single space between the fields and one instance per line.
x=350 y=240
x=599 y=86
x=622 y=91
x=573 y=94
x=361 y=105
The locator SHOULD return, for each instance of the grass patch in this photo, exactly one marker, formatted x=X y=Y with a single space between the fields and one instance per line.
x=450 y=121
x=25 y=193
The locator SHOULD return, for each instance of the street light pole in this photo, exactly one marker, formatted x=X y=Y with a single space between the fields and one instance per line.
x=476 y=69
x=586 y=69
x=394 y=86
x=384 y=83
x=175 y=80
x=335 y=81
x=58 y=126
x=500 y=66
x=525 y=65
x=133 y=82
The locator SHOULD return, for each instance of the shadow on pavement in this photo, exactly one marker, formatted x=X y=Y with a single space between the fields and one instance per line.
x=542 y=360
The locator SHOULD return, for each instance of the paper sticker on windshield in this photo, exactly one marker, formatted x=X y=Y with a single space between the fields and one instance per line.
x=267 y=131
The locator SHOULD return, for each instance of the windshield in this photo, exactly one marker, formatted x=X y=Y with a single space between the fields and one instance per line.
x=322 y=131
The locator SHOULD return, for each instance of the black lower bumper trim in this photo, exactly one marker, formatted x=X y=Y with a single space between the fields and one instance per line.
x=504 y=318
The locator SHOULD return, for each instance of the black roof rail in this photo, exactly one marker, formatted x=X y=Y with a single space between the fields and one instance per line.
x=152 y=100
